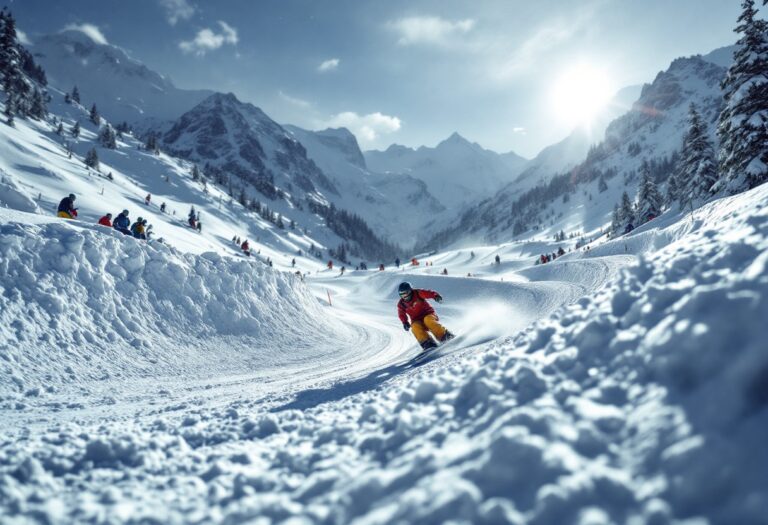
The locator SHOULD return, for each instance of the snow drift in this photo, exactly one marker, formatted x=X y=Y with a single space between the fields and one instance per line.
x=89 y=300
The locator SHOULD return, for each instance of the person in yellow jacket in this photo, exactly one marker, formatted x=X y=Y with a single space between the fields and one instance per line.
x=138 y=229
x=67 y=208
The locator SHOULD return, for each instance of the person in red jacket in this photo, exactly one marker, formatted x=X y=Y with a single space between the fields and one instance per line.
x=413 y=305
x=106 y=220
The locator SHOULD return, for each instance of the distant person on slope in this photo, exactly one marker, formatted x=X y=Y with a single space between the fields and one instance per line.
x=122 y=222
x=413 y=305
x=246 y=247
x=106 y=220
x=148 y=199
x=67 y=208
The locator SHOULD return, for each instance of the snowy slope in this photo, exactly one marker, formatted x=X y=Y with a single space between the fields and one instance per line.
x=399 y=206
x=641 y=402
x=456 y=171
x=36 y=172
x=122 y=88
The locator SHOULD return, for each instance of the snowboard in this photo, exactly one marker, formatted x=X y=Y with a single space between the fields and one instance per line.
x=425 y=355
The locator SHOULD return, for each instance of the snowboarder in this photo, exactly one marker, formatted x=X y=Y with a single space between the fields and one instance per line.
x=147 y=199
x=293 y=262
x=413 y=305
x=414 y=262
x=122 y=222
x=67 y=208
x=199 y=226
x=245 y=247
x=381 y=267
x=106 y=220
x=397 y=262
x=162 y=207
x=330 y=265
x=445 y=271
x=560 y=251
x=342 y=271
x=138 y=230
x=498 y=260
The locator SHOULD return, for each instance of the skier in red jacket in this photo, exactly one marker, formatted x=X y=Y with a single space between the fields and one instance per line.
x=423 y=319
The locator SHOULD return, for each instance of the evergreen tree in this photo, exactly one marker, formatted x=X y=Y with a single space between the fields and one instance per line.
x=280 y=223
x=75 y=131
x=195 y=173
x=76 y=94
x=696 y=173
x=673 y=193
x=616 y=219
x=602 y=186
x=94 y=116
x=37 y=107
x=649 y=200
x=742 y=130
x=14 y=84
x=151 y=144
x=107 y=137
x=60 y=129
x=626 y=210
x=92 y=159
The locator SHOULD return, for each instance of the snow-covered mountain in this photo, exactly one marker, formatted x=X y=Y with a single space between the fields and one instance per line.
x=573 y=201
x=122 y=88
x=399 y=206
x=240 y=140
x=456 y=171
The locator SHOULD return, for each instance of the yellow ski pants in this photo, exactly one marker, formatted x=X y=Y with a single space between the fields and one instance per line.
x=421 y=329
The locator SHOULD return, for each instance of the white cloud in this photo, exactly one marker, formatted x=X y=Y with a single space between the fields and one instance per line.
x=367 y=128
x=430 y=29
x=295 y=101
x=520 y=131
x=208 y=39
x=23 y=38
x=177 y=10
x=90 y=30
x=329 y=65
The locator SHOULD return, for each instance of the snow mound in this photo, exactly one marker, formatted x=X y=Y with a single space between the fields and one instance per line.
x=89 y=300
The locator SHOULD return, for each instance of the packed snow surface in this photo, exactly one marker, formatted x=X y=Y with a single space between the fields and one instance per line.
x=625 y=384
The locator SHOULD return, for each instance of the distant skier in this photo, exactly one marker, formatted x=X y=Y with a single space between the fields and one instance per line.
x=162 y=207
x=106 y=220
x=330 y=265
x=148 y=199
x=293 y=262
x=413 y=305
x=445 y=271
x=122 y=222
x=67 y=208
x=246 y=247
x=397 y=262
x=343 y=269
x=560 y=251
x=498 y=260
x=199 y=226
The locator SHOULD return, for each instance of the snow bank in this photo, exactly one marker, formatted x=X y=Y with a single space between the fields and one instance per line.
x=11 y=196
x=90 y=303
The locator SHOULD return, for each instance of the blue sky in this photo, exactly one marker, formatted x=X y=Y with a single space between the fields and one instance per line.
x=409 y=72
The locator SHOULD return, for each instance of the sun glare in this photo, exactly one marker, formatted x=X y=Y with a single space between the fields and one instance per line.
x=580 y=93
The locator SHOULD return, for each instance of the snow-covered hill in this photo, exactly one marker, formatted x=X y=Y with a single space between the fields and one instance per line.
x=122 y=88
x=640 y=402
x=456 y=171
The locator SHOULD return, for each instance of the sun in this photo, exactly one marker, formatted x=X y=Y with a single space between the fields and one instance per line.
x=580 y=93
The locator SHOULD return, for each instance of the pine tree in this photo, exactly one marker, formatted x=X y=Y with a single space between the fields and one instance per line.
x=37 y=107
x=616 y=219
x=60 y=129
x=626 y=210
x=195 y=173
x=649 y=200
x=92 y=159
x=94 y=116
x=107 y=137
x=602 y=186
x=76 y=94
x=742 y=131
x=75 y=131
x=673 y=193
x=696 y=173
x=151 y=144
x=14 y=84
x=279 y=222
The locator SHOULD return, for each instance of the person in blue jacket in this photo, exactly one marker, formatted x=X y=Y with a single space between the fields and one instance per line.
x=122 y=223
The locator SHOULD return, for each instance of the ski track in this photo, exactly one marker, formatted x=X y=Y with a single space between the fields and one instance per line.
x=376 y=352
